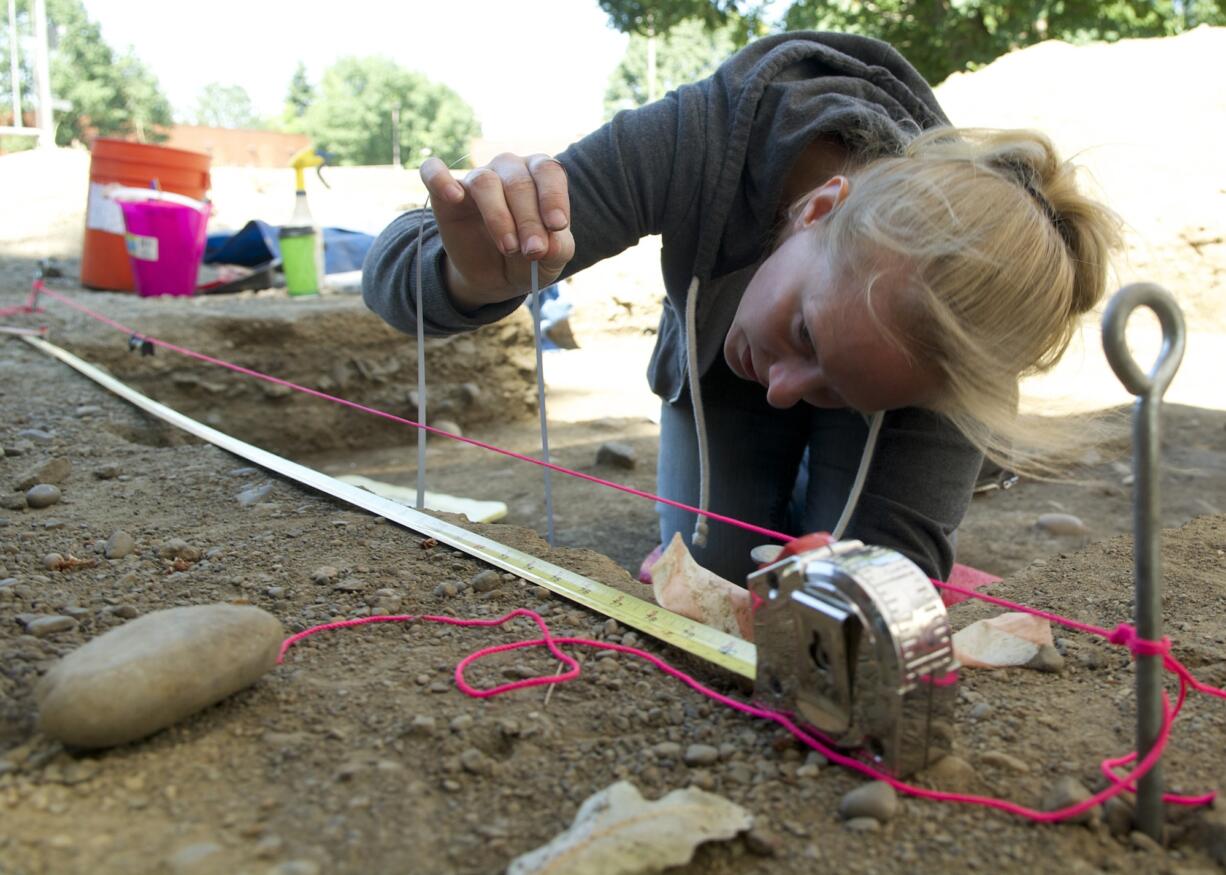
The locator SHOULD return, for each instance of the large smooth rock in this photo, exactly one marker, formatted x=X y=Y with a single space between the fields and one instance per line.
x=154 y=671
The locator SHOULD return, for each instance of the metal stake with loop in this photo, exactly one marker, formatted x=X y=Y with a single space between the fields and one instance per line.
x=1147 y=512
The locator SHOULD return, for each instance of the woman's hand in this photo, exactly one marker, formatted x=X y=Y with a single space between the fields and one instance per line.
x=496 y=221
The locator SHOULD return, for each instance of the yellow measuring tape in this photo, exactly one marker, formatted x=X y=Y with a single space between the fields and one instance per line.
x=712 y=645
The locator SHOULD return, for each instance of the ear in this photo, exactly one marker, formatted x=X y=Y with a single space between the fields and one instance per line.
x=822 y=200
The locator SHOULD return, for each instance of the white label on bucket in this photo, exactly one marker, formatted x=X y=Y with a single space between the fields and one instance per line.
x=101 y=212
x=142 y=248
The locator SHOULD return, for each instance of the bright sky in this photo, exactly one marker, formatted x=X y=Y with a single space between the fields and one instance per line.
x=533 y=68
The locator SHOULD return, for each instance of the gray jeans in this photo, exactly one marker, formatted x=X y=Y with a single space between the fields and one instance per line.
x=791 y=471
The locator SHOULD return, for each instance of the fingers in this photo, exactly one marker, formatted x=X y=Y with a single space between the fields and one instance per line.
x=485 y=187
x=553 y=195
x=523 y=203
x=519 y=189
x=440 y=183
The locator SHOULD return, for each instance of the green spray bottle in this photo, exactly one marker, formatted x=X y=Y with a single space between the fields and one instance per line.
x=302 y=243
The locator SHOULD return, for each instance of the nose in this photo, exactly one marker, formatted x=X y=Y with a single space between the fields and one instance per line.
x=787 y=384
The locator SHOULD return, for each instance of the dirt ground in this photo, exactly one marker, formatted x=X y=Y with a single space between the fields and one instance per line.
x=359 y=755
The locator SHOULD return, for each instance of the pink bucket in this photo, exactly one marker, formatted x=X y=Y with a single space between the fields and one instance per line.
x=165 y=237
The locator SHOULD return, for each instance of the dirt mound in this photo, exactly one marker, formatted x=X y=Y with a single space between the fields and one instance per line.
x=1147 y=119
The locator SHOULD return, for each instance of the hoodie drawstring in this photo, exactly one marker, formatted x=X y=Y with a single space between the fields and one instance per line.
x=699 y=537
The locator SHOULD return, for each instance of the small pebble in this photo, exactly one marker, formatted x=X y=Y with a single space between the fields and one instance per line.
x=194 y=858
x=107 y=472
x=13 y=501
x=88 y=410
x=1000 y=760
x=1142 y=842
x=177 y=548
x=43 y=495
x=448 y=425
x=1068 y=791
x=980 y=710
x=254 y=495
x=50 y=625
x=486 y=581
x=1118 y=814
x=876 y=800
x=1047 y=659
x=701 y=755
x=763 y=841
x=952 y=774
x=475 y=762
x=1062 y=524
x=862 y=824
x=616 y=454
x=296 y=867
x=324 y=574
x=119 y=545
x=51 y=471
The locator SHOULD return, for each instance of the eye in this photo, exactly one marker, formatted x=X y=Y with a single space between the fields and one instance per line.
x=803 y=338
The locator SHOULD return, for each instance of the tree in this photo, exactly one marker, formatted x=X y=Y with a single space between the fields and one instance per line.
x=106 y=95
x=300 y=96
x=225 y=106
x=353 y=120
x=689 y=52
x=941 y=37
x=658 y=17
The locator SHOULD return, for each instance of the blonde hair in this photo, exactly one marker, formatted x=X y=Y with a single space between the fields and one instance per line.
x=1001 y=253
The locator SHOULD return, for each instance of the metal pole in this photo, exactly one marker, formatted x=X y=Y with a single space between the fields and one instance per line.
x=396 y=136
x=14 y=67
x=42 y=76
x=1147 y=511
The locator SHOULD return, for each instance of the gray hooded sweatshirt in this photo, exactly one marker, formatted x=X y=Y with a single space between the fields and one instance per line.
x=704 y=168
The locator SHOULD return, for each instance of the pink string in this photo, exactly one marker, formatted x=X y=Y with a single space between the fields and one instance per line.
x=1123 y=634
x=769 y=533
x=31 y=304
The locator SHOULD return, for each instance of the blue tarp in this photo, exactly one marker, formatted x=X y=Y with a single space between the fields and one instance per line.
x=256 y=244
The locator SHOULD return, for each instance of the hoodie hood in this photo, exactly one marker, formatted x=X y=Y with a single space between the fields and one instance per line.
x=770 y=101
x=762 y=108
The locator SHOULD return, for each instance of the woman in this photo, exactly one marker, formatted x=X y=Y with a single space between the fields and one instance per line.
x=843 y=289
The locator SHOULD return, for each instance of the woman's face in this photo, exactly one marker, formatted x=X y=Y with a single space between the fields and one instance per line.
x=804 y=331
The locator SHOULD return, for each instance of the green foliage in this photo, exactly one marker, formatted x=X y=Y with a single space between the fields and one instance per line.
x=352 y=116
x=298 y=98
x=941 y=37
x=658 y=17
x=225 y=106
x=689 y=52
x=938 y=36
x=106 y=94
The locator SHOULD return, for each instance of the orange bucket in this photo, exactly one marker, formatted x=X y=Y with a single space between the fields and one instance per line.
x=104 y=260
